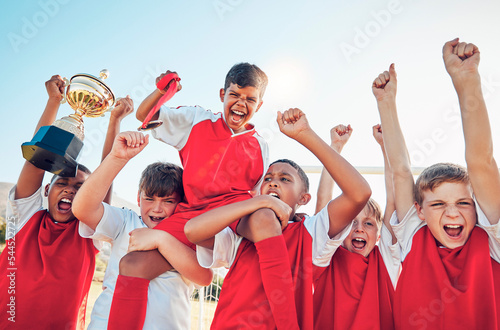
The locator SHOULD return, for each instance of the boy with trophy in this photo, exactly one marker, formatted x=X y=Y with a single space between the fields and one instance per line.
x=46 y=268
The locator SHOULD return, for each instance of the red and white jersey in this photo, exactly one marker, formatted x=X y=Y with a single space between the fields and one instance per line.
x=45 y=281
x=307 y=242
x=442 y=288
x=356 y=292
x=220 y=167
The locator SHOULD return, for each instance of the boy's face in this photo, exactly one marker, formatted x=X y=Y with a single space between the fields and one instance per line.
x=450 y=213
x=283 y=181
x=364 y=234
x=154 y=208
x=240 y=104
x=60 y=193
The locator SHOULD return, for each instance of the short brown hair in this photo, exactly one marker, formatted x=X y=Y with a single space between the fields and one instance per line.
x=437 y=174
x=374 y=210
x=162 y=179
x=246 y=74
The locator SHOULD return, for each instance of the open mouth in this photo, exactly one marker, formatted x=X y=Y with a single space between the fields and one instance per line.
x=453 y=230
x=237 y=116
x=358 y=244
x=156 y=219
x=64 y=205
x=274 y=195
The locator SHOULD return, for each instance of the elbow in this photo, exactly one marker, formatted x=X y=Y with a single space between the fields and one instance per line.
x=207 y=279
x=190 y=232
x=402 y=173
x=76 y=208
x=139 y=115
x=364 y=194
x=479 y=157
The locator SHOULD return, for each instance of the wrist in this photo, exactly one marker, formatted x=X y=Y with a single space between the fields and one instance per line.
x=337 y=147
x=54 y=99
x=466 y=82
x=160 y=91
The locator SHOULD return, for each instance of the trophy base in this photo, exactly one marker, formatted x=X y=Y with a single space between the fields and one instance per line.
x=54 y=150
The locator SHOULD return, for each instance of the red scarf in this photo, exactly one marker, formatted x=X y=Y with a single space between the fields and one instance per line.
x=353 y=292
x=441 y=288
x=243 y=302
x=49 y=277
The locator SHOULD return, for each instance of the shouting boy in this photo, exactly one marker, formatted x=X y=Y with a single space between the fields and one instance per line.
x=357 y=289
x=450 y=249
x=52 y=266
x=223 y=159
x=307 y=239
x=160 y=190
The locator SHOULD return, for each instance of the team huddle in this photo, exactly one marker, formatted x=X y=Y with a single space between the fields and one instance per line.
x=431 y=260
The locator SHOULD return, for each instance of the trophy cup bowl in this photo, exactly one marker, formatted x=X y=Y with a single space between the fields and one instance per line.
x=56 y=148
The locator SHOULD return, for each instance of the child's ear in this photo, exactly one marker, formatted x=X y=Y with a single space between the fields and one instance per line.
x=139 y=198
x=260 y=104
x=222 y=93
x=47 y=186
x=420 y=213
x=304 y=199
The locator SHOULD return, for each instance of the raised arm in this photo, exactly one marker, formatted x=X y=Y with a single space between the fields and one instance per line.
x=181 y=257
x=123 y=108
x=339 y=136
x=389 y=187
x=201 y=229
x=384 y=88
x=31 y=177
x=153 y=98
x=461 y=61
x=355 y=189
x=87 y=204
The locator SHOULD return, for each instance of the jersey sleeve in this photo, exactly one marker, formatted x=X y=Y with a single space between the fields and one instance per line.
x=19 y=211
x=226 y=245
x=177 y=124
x=323 y=246
x=406 y=229
x=493 y=232
x=391 y=254
x=110 y=226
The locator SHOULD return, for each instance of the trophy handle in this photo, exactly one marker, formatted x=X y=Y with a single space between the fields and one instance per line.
x=66 y=84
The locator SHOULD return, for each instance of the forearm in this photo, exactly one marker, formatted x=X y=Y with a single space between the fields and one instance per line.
x=49 y=114
x=475 y=121
x=111 y=133
x=87 y=204
x=148 y=104
x=349 y=180
x=31 y=177
x=209 y=224
x=481 y=164
x=397 y=157
x=326 y=184
x=183 y=259
x=389 y=204
x=325 y=190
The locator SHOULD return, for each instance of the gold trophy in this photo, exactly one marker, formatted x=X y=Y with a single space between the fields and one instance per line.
x=56 y=148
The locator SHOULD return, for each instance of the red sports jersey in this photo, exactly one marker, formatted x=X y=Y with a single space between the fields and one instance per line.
x=220 y=167
x=46 y=285
x=441 y=288
x=243 y=302
x=353 y=292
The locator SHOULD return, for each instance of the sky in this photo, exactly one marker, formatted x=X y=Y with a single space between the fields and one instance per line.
x=320 y=56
